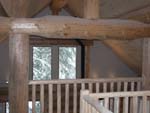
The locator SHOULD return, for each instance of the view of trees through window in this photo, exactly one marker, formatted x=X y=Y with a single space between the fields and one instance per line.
x=42 y=58
x=67 y=63
x=41 y=63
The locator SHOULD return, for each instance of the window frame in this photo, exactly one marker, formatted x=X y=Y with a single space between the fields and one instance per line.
x=55 y=44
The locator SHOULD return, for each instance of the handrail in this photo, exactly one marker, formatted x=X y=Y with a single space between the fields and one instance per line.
x=130 y=100
x=70 y=81
x=120 y=94
x=94 y=103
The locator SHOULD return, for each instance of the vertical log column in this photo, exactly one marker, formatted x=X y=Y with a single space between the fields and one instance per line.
x=19 y=70
x=90 y=11
x=146 y=64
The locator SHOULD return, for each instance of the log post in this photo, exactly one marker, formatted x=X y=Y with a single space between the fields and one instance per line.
x=91 y=11
x=146 y=65
x=19 y=70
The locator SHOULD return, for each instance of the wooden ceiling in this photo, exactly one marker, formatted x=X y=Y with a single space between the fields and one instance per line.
x=129 y=52
x=23 y=8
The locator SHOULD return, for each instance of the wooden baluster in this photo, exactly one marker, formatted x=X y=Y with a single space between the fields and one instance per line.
x=75 y=98
x=135 y=104
x=112 y=87
x=106 y=102
x=33 y=97
x=125 y=86
x=144 y=104
x=132 y=86
x=139 y=86
x=111 y=99
x=67 y=99
x=118 y=86
x=97 y=87
x=86 y=107
x=90 y=87
x=131 y=99
x=42 y=97
x=83 y=86
x=116 y=105
x=58 y=98
x=83 y=108
x=105 y=87
x=82 y=102
x=50 y=88
x=126 y=105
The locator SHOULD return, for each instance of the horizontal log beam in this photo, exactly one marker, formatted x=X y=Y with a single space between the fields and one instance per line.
x=74 y=28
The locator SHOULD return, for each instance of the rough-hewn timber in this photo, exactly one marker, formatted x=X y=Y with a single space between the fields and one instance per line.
x=73 y=28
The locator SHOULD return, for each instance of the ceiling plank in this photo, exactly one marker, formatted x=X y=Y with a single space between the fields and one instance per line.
x=23 y=8
x=71 y=27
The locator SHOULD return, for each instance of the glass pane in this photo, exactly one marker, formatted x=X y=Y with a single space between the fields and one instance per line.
x=67 y=62
x=37 y=107
x=41 y=63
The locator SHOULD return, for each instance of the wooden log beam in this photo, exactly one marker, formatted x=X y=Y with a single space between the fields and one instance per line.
x=19 y=70
x=73 y=28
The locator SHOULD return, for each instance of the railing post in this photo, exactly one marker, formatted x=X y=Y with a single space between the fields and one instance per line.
x=83 y=93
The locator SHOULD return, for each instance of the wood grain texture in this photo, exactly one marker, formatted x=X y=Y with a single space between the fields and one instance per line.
x=129 y=52
x=91 y=9
x=19 y=70
x=73 y=28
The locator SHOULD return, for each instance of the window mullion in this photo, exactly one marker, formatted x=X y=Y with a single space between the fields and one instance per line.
x=55 y=62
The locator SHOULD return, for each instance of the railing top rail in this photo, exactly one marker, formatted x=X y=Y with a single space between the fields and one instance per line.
x=94 y=103
x=120 y=94
x=71 y=81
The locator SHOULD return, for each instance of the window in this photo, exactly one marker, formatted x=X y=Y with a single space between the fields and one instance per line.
x=55 y=62
x=67 y=62
x=41 y=63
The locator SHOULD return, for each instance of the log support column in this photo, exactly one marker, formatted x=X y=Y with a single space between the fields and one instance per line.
x=91 y=11
x=146 y=64
x=19 y=70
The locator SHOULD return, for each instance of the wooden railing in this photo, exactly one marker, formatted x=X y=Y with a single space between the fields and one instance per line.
x=116 y=102
x=91 y=105
x=63 y=96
